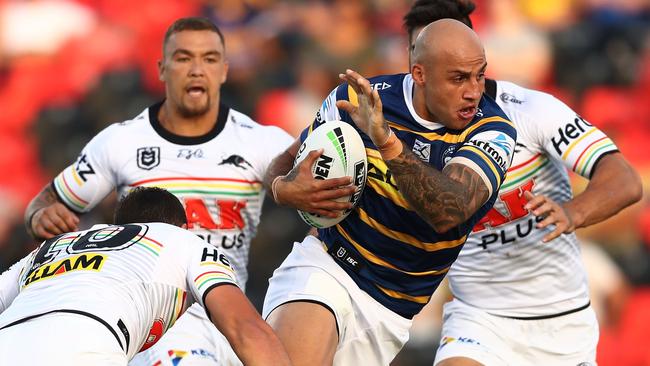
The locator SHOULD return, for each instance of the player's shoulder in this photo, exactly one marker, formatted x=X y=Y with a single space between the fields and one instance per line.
x=511 y=96
x=246 y=125
x=130 y=128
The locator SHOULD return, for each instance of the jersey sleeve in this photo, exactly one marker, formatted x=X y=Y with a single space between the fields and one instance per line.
x=328 y=111
x=82 y=185
x=488 y=149
x=209 y=267
x=571 y=139
x=9 y=283
x=276 y=140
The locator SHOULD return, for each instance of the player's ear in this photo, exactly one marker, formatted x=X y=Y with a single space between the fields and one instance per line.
x=224 y=77
x=161 y=70
x=417 y=72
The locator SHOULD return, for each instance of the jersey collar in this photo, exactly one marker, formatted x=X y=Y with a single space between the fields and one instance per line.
x=408 y=99
x=219 y=125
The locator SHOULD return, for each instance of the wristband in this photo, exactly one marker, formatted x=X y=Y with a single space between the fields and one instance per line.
x=273 y=191
x=391 y=148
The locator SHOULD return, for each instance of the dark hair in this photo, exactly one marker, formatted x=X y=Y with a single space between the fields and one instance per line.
x=424 y=12
x=192 y=24
x=150 y=204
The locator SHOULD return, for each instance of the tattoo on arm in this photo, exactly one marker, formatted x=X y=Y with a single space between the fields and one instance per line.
x=45 y=198
x=444 y=200
x=279 y=166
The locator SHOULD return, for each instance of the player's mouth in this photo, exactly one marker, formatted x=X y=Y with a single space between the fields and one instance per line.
x=467 y=113
x=195 y=91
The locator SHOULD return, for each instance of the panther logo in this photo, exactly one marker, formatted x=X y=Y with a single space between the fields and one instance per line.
x=237 y=161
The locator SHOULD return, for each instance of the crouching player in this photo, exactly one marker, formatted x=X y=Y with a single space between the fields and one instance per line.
x=101 y=295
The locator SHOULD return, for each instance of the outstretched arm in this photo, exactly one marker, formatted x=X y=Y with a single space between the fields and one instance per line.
x=444 y=199
x=251 y=337
x=613 y=186
x=46 y=216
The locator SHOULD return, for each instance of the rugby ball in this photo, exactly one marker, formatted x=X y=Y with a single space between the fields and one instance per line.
x=343 y=155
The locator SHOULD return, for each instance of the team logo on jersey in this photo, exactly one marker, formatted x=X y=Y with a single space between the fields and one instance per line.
x=422 y=150
x=148 y=157
x=237 y=161
x=509 y=98
x=447 y=154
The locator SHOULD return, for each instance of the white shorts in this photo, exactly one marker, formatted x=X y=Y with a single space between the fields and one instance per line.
x=194 y=340
x=493 y=340
x=369 y=333
x=60 y=339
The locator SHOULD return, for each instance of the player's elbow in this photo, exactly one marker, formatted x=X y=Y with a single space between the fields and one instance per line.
x=442 y=227
x=253 y=332
x=634 y=188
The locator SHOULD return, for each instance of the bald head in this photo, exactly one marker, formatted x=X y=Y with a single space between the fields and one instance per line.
x=448 y=72
x=446 y=38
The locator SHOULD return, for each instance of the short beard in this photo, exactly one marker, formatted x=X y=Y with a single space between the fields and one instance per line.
x=186 y=112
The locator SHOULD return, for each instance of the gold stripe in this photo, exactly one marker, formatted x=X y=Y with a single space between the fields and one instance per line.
x=575 y=143
x=376 y=260
x=481 y=154
x=383 y=188
x=525 y=169
x=76 y=177
x=403 y=296
x=352 y=96
x=406 y=238
x=448 y=137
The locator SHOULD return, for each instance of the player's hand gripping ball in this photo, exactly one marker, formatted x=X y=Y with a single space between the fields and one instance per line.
x=343 y=155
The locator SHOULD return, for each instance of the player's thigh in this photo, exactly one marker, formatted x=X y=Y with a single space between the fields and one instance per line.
x=307 y=330
x=368 y=333
x=565 y=340
x=469 y=334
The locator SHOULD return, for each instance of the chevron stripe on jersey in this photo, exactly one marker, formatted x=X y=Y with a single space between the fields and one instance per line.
x=400 y=259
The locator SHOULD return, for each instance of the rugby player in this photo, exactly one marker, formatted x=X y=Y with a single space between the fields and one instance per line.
x=437 y=153
x=91 y=297
x=212 y=157
x=519 y=285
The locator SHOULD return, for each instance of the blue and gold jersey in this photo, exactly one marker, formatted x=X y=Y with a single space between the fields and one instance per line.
x=384 y=245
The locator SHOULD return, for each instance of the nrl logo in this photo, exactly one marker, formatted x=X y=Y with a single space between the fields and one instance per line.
x=148 y=157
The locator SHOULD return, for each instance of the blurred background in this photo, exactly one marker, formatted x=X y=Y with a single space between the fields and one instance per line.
x=69 y=68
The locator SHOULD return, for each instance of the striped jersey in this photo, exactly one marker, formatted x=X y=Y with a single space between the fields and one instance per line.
x=135 y=279
x=384 y=245
x=217 y=176
x=504 y=268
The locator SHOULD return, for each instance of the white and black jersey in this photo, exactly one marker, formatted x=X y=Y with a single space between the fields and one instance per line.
x=217 y=176
x=134 y=279
x=504 y=267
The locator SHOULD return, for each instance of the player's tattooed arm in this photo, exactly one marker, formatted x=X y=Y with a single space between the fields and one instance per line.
x=46 y=217
x=444 y=199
